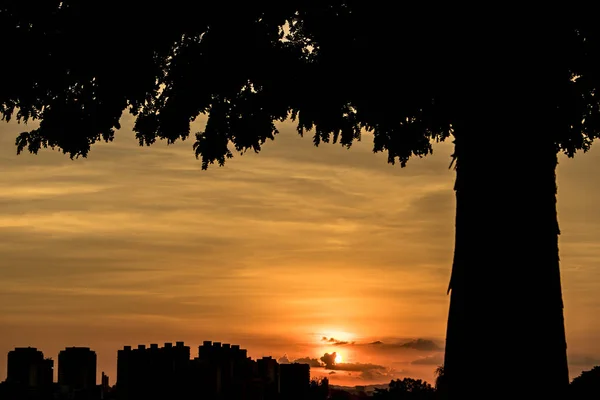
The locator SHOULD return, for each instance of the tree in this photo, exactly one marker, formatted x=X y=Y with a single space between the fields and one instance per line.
x=586 y=386
x=512 y=89
x=440 y=383
x=319 y=389
x=407 y=388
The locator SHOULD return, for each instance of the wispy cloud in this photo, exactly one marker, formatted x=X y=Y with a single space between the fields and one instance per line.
x=138 y=243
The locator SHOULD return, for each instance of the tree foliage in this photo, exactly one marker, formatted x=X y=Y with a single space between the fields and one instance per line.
x=339 y=67
x=407 y=388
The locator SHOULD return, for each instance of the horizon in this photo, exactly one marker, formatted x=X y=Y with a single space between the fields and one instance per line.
x=138 y=245
x=319 y=369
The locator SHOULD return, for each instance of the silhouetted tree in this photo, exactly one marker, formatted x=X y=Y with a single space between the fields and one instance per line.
x=586 y=386
x=319 y=389
x=339 y=394
x=512 y=88
x=406 y=389
x=441 y=386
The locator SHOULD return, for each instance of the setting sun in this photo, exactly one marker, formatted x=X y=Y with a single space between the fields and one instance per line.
x=338 y=358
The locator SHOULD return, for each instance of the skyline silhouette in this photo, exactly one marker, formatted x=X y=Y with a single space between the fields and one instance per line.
x=77 y=365
x=216 y=371
x=219 y=371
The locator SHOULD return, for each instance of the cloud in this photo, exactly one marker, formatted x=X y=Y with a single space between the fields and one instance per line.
x=378 y=374
x=313 y=362
x=357 y=367
x=140 y=234
x=583 y=360
x=335 y=342
x=415 y=344
x=436 y=359
x=329 y=360
x=283 y=359
x=422 y=345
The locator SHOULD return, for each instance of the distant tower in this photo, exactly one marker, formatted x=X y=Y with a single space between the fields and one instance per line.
x=28 y=367
x=77 y=368
x=105 y=385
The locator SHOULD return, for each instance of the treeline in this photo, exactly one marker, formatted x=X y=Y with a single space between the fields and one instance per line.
x=584 y=387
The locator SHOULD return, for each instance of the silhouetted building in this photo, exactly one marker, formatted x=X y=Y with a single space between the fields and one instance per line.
x=104 y=382
x=220 y=372
x=294 y=381
x=268 y=372
x=153 y=373
x=29 y=375
x=224 y=371
x=28 y=367
x=104 y=387
x=77 y=368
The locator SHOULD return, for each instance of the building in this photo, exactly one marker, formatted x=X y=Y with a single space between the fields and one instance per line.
x=104 y=382
x=77 y=369
x=153 y=372
x=294 y=381
x=220 y=372
x=226 y=368
x=268 y=373
x=27 y=367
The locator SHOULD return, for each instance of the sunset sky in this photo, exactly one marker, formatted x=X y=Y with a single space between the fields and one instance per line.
x=274 y=251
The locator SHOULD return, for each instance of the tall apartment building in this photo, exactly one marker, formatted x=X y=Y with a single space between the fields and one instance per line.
x=28 y=367
x=152 y=372
x=294 y=381
x=77 y=368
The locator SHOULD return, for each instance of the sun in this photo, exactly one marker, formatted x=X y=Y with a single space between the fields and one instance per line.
x=338 y=358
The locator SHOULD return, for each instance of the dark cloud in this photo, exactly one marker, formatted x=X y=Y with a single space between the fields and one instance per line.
x=357 y=367
x=329 y=360
x=377 y=374
x=436 y=359
x=422 y=345
x=416 y=344
x=334 y=341
x=284 y=359
x=313 y=362
x=583 y=360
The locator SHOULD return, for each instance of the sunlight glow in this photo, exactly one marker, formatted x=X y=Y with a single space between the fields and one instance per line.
x=338 y=358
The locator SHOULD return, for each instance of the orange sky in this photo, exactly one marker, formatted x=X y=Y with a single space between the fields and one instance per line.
x=273 y=251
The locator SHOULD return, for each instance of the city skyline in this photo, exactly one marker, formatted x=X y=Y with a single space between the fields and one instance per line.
x=219 y=370
x=139 y=246
x=428 y=353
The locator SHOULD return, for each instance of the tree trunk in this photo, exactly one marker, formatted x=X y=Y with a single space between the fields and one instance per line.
x=505 y=336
